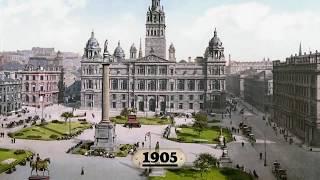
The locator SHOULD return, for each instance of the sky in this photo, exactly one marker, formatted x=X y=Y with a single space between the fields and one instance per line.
x=249 y=29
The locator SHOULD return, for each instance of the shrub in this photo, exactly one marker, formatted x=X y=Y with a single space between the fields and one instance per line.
x=18 y=134
x=164 y=118
x=181 y=139
x=19 y=151
x=84 y=122
x=119 y=117
x=121 y=154
x=125 y=112
x=56 y=122
x=53 y=136
x=34 y=137
x=10 y=134
x=23 y=163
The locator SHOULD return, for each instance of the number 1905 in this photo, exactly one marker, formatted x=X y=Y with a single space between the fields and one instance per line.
x=162 y=157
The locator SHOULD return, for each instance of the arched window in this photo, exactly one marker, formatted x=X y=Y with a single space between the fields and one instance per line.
x=27 y=98
x=34 y=99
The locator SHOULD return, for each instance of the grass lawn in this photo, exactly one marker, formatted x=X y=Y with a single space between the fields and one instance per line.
x=211 y=134
x=142 y=120
x=7 y=154
x=214 y=174
x=51 y=131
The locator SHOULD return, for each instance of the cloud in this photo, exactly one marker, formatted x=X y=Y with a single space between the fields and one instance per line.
x=248 y=30
x=251 y=31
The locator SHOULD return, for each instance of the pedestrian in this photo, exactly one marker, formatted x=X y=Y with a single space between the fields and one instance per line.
x=82 y=171
x=255 y=174
x=2 y=125
x=238 y=130
x=242 y=144
x=11 y=141
x=260 y=156
x=142 y=144
x=14 y=140
x=234 y=138
x=185 y=120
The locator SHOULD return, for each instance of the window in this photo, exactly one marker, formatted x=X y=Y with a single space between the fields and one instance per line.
x=114 y=84
x=172 y=87
x=152 y=85
x=41 y=88
x=33 y=77
x=201 y=105
x=34 y=88
x=180 y=97
x=123 y=97
x=141 y=70
x=191 y=97
x=171 y=71
x=34 y=99
x=141 y=85
x=152 y=70
x=180 y=106
x=172 y=98
x=114 y=96
x=27 y=77
x=201 y=97
x=27 y=87
x=163 y=70
x=123 y=84
x=41 y=78
x=114 y=105
x=123 y=105
x=181 y=85
x=190 y=105
x=191 y=84
x=201 y=85
x=171 y=105
x=163 y=85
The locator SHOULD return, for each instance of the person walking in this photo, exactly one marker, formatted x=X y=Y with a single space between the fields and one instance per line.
x=142 y=144
x=82 y=171
x=260 y=156
x=242 y=144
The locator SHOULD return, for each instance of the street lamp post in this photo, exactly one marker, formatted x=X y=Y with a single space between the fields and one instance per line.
x=265 y=136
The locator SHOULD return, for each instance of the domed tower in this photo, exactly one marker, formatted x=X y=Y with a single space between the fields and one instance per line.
x=118 y=53
x=156 y=30
x=92 y=49
x=172 y=53
x=133 y=52
x=215 y=50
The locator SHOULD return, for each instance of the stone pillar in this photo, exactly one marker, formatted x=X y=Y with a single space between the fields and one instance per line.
x=106 y=93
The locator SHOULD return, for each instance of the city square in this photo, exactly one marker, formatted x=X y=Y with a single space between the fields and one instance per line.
x=159 y=90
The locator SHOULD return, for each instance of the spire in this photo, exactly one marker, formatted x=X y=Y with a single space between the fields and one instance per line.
x=300 y=50
x=140 y=50
x=92 y=34
x=119 y=43
x=215 y=32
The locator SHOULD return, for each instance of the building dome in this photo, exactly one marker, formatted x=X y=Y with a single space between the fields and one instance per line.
x=133 y=48
x=171 y=48
x=92 y=42
x=215 y=41
x=119 y=52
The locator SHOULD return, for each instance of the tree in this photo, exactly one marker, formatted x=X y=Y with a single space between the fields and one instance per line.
x=125 y=112
x=66 y=116
x=204 y=162
x=201 y=122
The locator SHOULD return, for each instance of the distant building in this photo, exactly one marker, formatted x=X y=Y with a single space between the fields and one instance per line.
x=296 y=95
x=236 y=67
x=235 y=82
x=43 y=78
x=10 y=93
x=257 y=88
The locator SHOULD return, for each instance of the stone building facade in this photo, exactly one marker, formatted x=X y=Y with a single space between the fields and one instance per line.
x=297 y=97
x=43 y=78
x=10 y=94
x=257 y=88
x=152 y=83
x=236 y=67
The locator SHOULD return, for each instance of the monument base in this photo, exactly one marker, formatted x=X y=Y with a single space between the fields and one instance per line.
x=105 y=137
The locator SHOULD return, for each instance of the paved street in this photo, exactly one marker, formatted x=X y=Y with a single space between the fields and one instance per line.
x=301 y=164
x=67 y=167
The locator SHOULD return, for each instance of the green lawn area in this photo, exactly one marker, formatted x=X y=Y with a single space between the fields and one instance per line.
x=7 y=154
x=211 y=134
x=142 y=120
x=214 y=174
x=51 y=131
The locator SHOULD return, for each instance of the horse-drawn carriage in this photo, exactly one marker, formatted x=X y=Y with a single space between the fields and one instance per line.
x=281 y=174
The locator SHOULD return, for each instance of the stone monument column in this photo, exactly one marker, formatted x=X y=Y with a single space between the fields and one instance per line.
x=106 y=93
